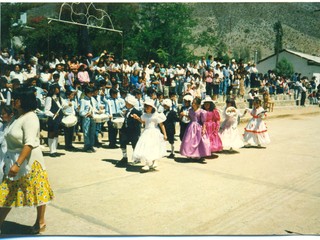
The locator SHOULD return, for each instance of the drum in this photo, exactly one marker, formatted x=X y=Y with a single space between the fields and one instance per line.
x=69 y=121
x=100 y=118
x=118 y=122
x=42 y=117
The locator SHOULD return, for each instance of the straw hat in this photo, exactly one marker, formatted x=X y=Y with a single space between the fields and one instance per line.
x=150 y=102
x=207 y=99
x=131 y=100
x=167 y=102
x=188 y=98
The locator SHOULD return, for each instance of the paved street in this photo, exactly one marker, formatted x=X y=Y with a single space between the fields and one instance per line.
x=255 y=191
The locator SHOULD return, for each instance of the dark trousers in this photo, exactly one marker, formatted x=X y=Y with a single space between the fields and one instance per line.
x=183 y=127
x=112 y=133
x=68 y=136
x=209 y=89
x=125 y=139
x=303 y=98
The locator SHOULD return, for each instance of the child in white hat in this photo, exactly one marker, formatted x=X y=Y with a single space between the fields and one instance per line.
x=170 y=123
x=151 y=145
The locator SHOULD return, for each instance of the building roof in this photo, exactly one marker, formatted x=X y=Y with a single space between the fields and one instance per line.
x=302 y=55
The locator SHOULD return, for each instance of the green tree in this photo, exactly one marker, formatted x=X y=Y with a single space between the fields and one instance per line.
x=284 y=68
x=159 y=31
x=245 y=54
x=52 y=37
x=277 y=28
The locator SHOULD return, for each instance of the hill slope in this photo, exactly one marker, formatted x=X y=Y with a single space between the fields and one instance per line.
x=251 y=25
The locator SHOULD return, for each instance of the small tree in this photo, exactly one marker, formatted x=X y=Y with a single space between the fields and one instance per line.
x=284 y=68
x=277 y=28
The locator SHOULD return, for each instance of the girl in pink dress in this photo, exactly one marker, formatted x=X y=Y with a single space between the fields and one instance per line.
x=212 y=124
x=195 y=143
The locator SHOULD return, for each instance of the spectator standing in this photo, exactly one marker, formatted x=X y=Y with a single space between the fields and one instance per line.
x=26 y=180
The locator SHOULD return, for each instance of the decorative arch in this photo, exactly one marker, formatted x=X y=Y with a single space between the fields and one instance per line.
x=87 y=15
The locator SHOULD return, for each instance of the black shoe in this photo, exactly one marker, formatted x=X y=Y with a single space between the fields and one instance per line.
x=92 y=149
x=88 y=150
x=98 y=145
x=171 y=155
x=122 y=163
x=71 y=149
x=54 y=154
x=113 y=146
x=202 y=160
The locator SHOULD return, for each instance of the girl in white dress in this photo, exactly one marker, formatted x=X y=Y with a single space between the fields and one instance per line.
x=229 y=133
x=151 y=144
x=255 y=133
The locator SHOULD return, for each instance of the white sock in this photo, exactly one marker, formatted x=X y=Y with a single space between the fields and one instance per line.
x=54 y=145
x=172 y=148
x=124 y=152
x=56 y=142
x=50 y=143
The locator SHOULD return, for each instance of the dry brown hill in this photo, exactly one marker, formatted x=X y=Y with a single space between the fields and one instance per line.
x=251 y=24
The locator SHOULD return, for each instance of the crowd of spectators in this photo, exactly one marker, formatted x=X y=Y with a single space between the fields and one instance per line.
x=208 y=76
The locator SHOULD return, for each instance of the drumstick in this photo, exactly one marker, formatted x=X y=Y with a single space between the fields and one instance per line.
x=2 y=98
x=56 y=114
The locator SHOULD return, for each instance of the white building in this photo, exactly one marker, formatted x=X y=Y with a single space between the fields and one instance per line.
x=305 y=64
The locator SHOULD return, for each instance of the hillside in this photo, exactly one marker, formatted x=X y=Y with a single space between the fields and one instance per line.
x=251 y=24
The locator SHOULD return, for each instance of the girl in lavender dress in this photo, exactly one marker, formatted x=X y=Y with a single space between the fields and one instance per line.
x=212 y=124
x=195 y=143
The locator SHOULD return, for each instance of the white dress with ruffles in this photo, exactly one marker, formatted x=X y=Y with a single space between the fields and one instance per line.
x=256 y=132
x=151 y=144
x=229 y=132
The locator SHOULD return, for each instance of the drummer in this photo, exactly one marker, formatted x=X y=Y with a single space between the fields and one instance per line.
x=88 y=124
x=97 y=99
x=113 y=110
x=138 y=94
x=69 y=109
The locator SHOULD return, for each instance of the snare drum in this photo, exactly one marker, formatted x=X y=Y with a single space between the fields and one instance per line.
x=100 y=118
x=118 y=122
x=69 y=121
x=42 y=117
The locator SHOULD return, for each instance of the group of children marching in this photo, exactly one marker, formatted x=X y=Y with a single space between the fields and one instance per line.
x=201 y=133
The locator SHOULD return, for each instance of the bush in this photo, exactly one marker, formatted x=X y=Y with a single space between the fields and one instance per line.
x=284 y=68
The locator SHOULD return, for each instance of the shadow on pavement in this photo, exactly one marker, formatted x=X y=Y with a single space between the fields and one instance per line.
x=133 y=168
x=113 y=161
x=188 y=160
x=228 y=152
x=15 y=228
x=47 y=154
x=252 y=146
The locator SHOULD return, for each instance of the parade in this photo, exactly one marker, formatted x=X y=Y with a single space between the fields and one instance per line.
x=164 y=142
x=133 y=104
